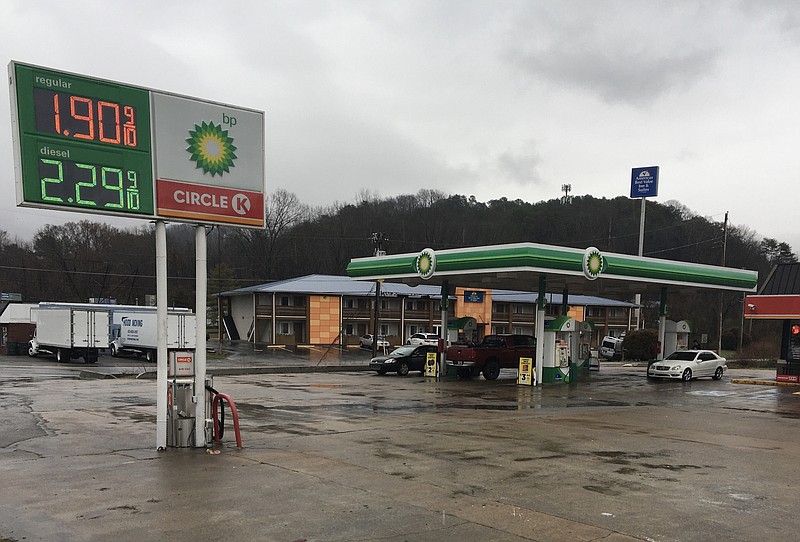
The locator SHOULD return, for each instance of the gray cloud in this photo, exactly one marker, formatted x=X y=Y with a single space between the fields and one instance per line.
x=615 y=52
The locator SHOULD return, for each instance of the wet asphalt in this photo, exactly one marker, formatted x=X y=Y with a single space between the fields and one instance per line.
x=333 y=452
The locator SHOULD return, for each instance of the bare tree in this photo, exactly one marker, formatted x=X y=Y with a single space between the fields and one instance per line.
x=262 y=248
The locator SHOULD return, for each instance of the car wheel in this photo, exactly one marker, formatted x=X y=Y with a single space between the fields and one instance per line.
x=491 y=370
x=381 y=371
x=718 y=374
x=402 y=368
x=687 y=375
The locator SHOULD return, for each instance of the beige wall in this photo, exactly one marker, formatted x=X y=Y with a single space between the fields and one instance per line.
x=324 y=314
x=482 y=312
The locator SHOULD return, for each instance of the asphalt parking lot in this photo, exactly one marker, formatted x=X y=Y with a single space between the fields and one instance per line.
x=351 y=455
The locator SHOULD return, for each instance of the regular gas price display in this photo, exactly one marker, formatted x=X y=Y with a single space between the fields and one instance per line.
x=82 y=143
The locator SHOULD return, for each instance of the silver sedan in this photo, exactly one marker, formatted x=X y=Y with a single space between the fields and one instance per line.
x=689 y=364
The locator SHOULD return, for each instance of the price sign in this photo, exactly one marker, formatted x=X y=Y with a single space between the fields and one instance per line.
x=96 y=146
x=82 y=144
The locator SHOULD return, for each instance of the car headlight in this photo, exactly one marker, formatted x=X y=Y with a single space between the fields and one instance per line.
x=675 y=368
x=389 y=361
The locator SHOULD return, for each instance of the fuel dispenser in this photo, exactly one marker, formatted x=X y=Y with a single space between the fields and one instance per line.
x=558 y=334
x=181 y=406
x=676 y=336
x=585 y=358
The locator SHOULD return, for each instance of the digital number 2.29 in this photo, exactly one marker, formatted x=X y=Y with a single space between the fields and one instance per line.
x=111 y=179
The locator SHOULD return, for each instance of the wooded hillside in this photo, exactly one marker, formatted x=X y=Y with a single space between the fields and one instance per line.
x=84 y=259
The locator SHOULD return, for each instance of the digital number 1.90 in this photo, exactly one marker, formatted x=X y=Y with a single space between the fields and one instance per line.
x=102 y=187
x=84 y=118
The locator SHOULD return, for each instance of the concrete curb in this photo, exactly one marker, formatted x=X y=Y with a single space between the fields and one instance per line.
x=764 y=382
x=232 y=371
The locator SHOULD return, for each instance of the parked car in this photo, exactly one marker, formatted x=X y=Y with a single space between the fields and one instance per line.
x=689 y=364
x=365 y=341
x=424 y=338
x=402 y=359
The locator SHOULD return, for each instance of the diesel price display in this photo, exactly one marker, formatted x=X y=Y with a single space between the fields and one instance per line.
x=83 y=143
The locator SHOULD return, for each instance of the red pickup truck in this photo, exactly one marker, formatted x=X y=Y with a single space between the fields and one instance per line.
x=495 y=352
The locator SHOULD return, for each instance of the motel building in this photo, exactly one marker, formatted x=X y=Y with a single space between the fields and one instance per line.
x=334 y=310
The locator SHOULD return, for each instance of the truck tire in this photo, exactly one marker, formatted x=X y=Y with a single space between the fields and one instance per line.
x=491 y=370
x=464 y=373
x=31 y=352
x=149 y=356
x=62 y=355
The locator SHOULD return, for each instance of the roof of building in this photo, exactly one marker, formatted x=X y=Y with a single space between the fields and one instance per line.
x=784 y=279
x=17 y=313
x=338 y=285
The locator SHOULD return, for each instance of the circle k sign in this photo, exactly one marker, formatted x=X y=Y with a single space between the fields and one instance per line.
x=209 y=203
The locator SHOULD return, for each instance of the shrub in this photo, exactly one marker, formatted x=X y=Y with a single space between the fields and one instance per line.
x=730 y=339
x=641 y=344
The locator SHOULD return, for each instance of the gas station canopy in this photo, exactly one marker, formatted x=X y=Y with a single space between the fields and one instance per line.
x=520 y=266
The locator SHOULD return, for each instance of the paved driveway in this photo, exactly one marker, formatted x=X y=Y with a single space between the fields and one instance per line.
x=357 y=456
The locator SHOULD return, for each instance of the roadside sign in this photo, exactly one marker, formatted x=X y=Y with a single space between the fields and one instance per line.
x=102 y=147
x=526 y=376
x=644 y=182
x=431 y=367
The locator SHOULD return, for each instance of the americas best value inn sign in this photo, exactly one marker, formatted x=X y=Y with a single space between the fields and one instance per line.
x=83 y=144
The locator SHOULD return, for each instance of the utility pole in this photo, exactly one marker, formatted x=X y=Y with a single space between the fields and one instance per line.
x=721 y=294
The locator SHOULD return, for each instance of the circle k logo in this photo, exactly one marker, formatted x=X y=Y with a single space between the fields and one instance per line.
x=240 y=204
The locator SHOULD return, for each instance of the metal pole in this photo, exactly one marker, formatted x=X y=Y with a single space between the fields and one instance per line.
x=444 y=305
x=376 y=323
x=638 y=298
x=721 y=294
x=161 y=334
x=538 y=332
x=201 y=293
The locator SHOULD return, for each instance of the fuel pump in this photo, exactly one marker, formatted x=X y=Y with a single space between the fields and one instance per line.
x=181 y=408
x=557 y=357
x=582 y=342
x=676 y=336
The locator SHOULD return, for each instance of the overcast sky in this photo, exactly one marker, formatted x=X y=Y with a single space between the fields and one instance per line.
x=485 y=98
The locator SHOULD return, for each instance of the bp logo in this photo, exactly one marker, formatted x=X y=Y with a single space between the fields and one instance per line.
x=593 y=263
x=425 y=263
x=211 y=148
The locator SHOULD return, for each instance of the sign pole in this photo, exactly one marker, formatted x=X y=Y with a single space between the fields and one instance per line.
x=201 y=292
x=638 y=298
x=644 y=184
x=161 y=323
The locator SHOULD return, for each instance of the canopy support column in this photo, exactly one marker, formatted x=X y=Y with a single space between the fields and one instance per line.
x=443 y=305
x=662 y=323
x=541 y=302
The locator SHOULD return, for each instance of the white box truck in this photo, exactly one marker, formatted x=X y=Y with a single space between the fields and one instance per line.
x=136 y=331
x=70 y=332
